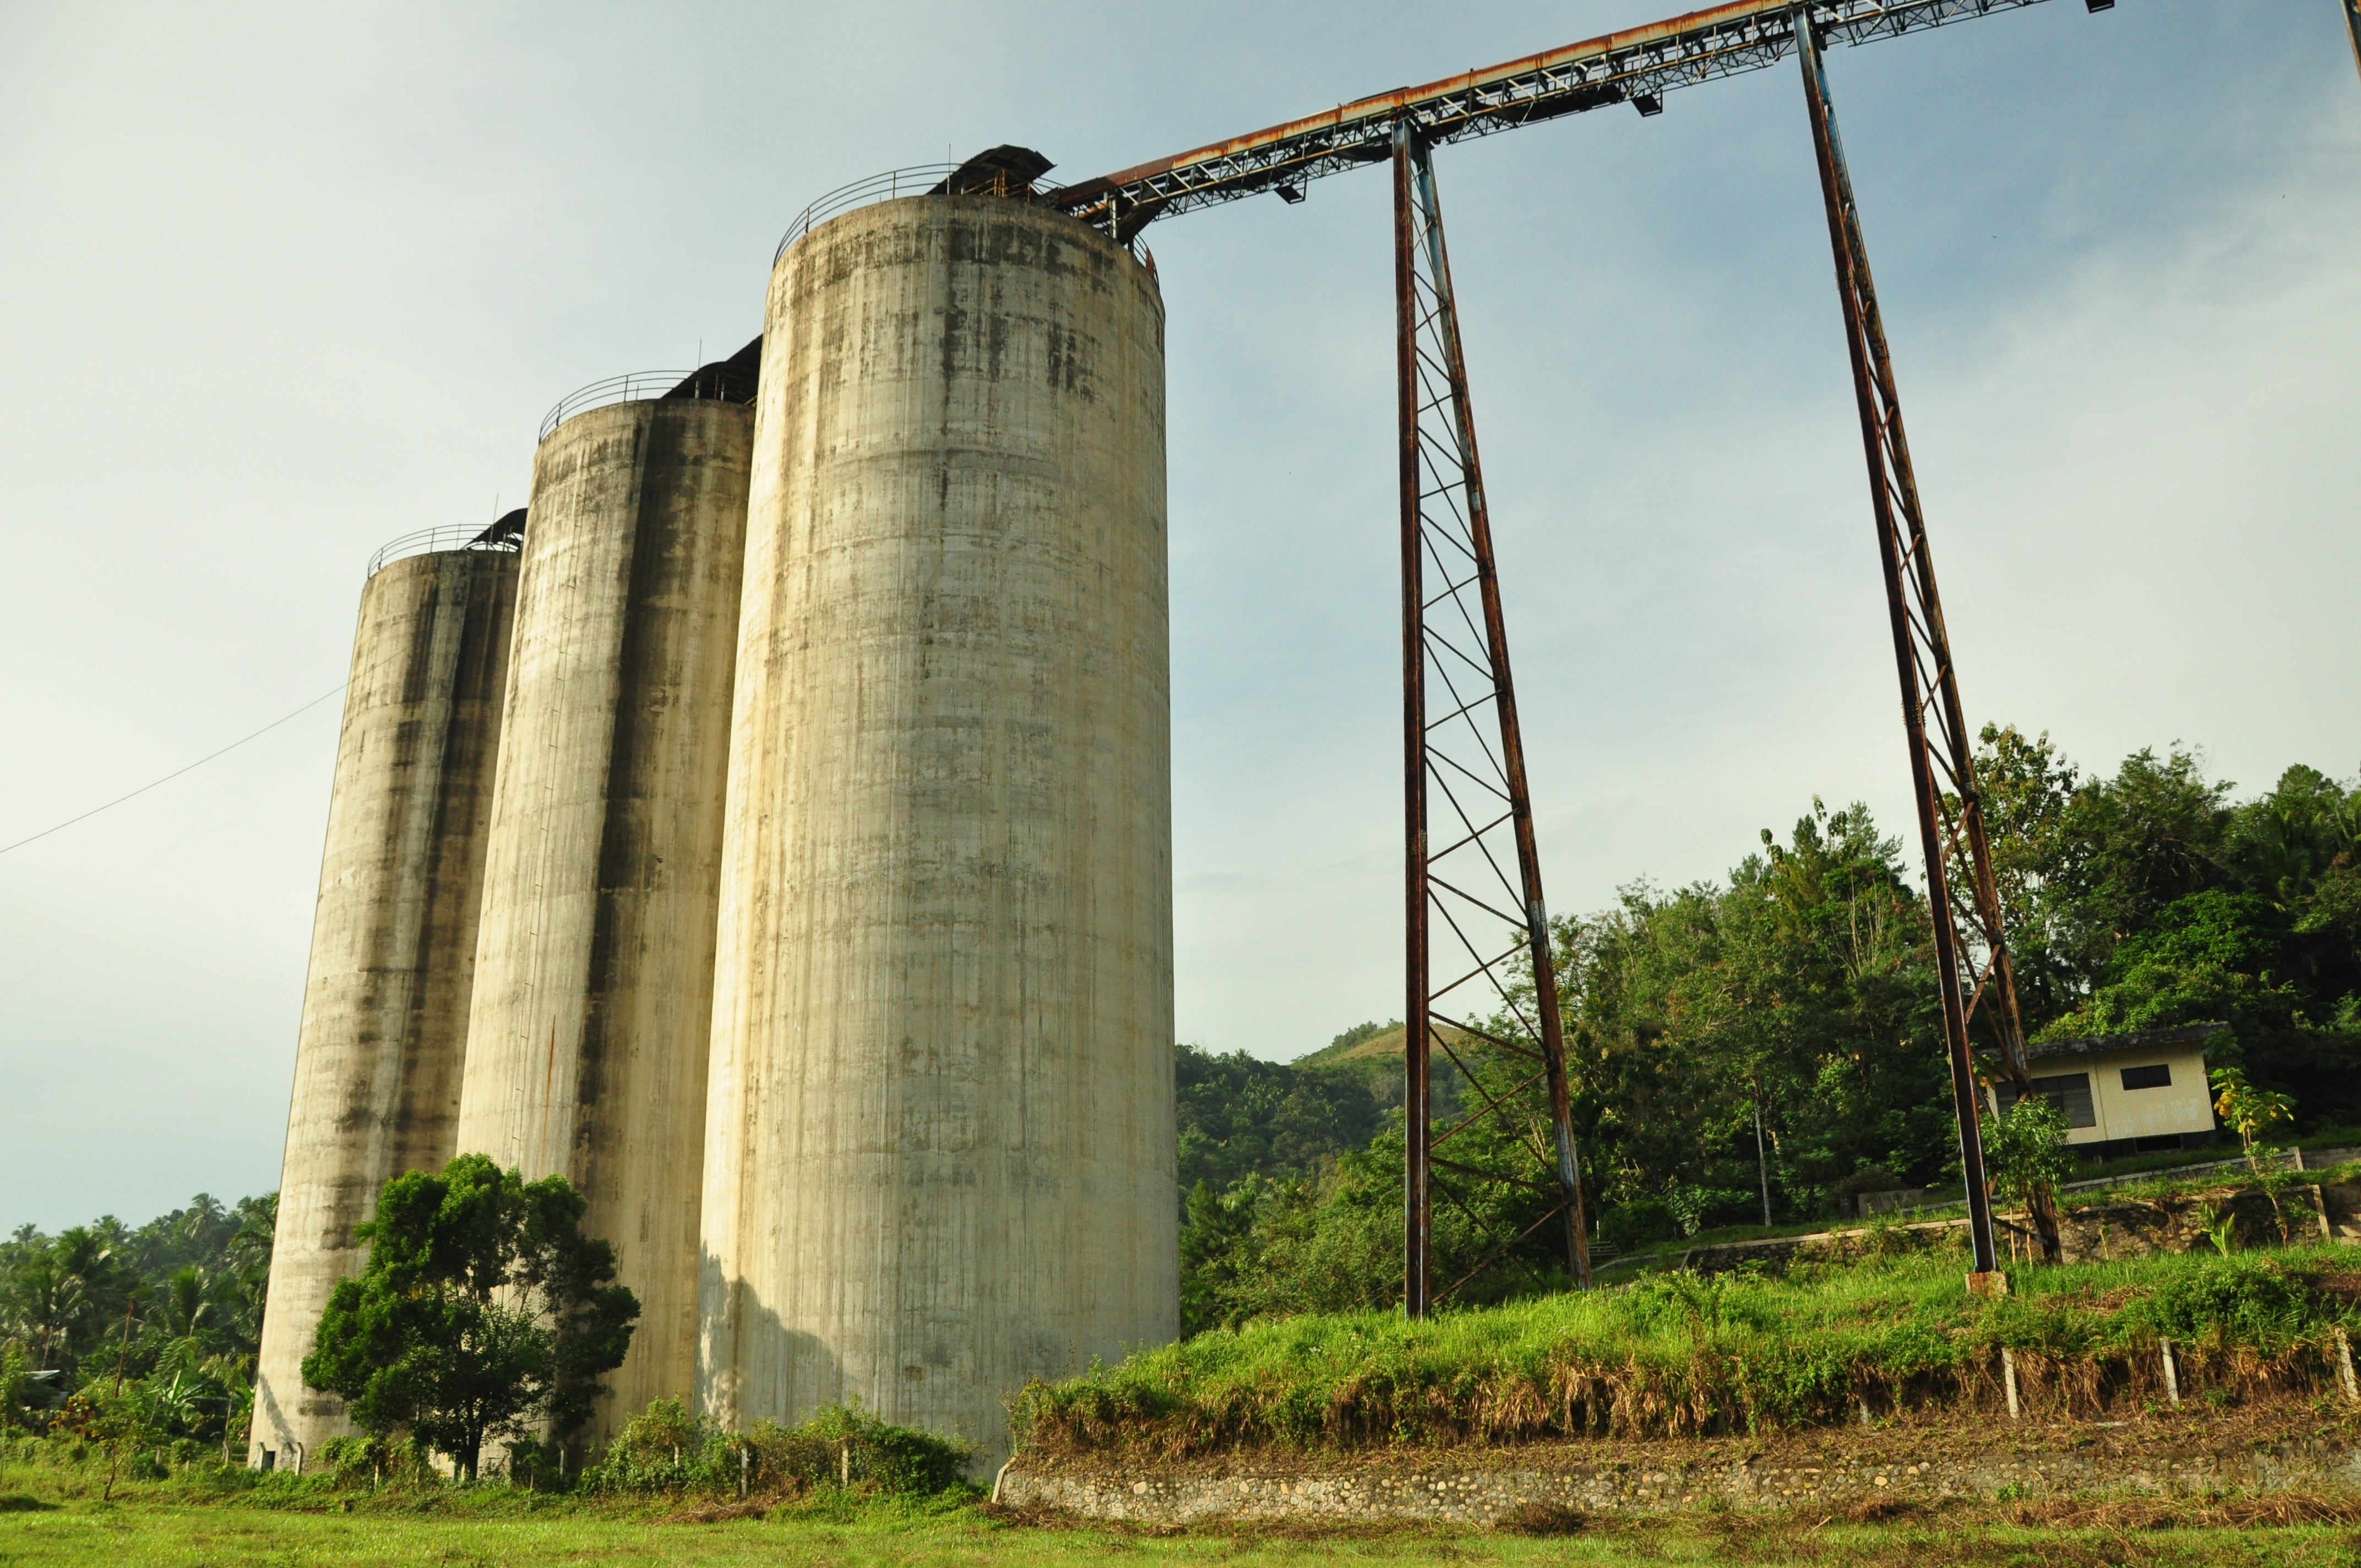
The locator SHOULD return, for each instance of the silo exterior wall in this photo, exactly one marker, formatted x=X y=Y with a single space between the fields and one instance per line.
x=379 y=1056
x=940 y=1156
x=594 y=965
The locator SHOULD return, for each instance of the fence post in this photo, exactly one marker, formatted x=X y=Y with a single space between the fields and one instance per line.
x=2008 y=1378
x=2171 y=1371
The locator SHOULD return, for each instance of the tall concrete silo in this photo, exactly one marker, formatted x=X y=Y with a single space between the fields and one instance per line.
x=393 y=941
x=939 y=1153
x=586 y=1040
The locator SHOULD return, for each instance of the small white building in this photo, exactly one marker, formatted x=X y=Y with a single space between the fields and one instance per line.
x=2123 y=1093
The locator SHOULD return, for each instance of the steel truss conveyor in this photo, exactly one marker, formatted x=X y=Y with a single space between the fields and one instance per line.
x=1637 y=66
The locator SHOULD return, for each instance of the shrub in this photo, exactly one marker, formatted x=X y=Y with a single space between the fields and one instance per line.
x=1638 y=1222
x=349 y=1461
x=665 y=1448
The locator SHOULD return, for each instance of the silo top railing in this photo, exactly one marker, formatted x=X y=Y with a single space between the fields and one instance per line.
x=918 y=179
x=431 y=540
x=623 y=388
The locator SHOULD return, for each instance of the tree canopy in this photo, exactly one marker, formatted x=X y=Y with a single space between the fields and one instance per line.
x=483 y=1310
x=174 y=1306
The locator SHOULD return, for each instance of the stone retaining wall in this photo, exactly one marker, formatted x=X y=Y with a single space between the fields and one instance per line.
x=1484 y=1486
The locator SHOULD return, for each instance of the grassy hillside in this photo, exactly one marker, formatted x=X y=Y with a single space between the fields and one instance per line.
x=1680 y=1355
x=1373 y=1053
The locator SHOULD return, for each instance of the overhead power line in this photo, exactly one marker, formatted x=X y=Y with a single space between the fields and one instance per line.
x=176 y=773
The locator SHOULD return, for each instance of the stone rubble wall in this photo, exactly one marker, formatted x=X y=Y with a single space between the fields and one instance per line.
x=2089 y=1232
x=1480 y=1493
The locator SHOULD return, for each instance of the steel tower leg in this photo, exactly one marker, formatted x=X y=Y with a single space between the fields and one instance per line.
x=1475 y=770
x=1942 y=770
x=1418 y=1212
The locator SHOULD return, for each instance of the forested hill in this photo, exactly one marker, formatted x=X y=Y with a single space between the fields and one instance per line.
x=1240 y=1115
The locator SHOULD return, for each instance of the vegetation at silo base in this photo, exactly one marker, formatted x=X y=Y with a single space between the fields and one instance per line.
x=482 y=1313
x=843 y=1458
x=666 y=1451
x=1802 y=987
x=1681 y=1354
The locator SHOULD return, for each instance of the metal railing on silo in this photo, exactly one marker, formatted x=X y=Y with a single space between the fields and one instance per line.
x=431 y=540
x=918 y=179
x=623 y=388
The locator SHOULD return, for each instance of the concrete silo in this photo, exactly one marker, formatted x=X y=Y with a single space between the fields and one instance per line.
x=594 y=960
x=393 y=942
x=939 y=1152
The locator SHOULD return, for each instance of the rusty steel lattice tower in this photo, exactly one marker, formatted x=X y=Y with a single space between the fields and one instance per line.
x=1474 y=876
x=1966 y=918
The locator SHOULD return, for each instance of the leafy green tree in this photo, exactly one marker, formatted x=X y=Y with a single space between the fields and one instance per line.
x=1329 y=1243
x=483 y=1310
x=1216 y=1262
x=2131 y=845
x=1804 y=987
x=2300 y=849
x=60 y=1296
x=2028 y=787
x=16 y=1387
x=2202 y=958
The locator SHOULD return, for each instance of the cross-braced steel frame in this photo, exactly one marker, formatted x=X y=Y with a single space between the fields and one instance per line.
x=1474 y=876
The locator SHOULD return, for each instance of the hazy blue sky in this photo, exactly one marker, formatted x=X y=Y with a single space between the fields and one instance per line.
x=284 y=282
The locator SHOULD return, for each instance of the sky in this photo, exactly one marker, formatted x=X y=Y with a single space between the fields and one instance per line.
x=284 y=282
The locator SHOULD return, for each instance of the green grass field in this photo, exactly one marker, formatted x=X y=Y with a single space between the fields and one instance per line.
x=144 y=1528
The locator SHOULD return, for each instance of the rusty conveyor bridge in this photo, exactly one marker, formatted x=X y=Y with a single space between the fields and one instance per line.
x=1637 y=66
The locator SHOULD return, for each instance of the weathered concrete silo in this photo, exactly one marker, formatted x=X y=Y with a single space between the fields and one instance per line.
x=587 y=1041
x=393 y=944
x=939 y=1153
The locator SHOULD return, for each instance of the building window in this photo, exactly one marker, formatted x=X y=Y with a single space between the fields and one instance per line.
x=2157 y=1077
x=2069 y=1092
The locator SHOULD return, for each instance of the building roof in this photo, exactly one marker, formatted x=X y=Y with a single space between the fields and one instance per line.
x=2137 y=1040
